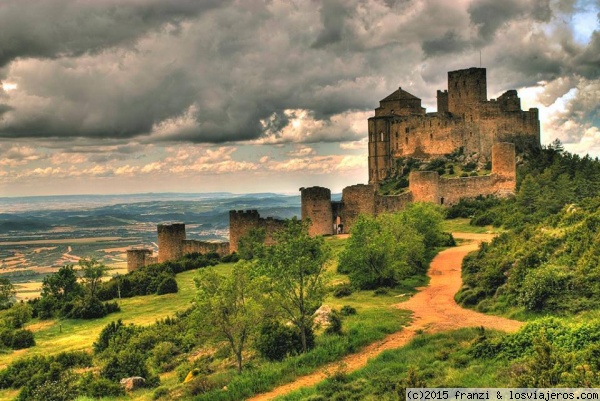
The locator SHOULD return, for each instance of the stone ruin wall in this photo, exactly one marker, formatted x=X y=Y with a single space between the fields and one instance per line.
x=138 y=258
x=241 y=222
x=170 y=241
x=203 y=247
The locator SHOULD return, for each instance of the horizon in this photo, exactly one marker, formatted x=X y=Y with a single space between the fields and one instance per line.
x=276 y=101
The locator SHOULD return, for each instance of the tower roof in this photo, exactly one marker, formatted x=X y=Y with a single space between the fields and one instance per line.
x=400 y=94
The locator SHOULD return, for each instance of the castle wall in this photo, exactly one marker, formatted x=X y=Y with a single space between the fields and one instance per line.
x=316 y=206
x=137 y=258
x=380 y=162
x=425 y=186
x=241 y=222
x=451 y=190
x=392 y=203
x=170 y=241
x=204 y=247
x=504 y=168
x=357 y=199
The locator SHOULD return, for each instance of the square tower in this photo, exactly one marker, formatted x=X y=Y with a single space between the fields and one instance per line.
x=466 y=88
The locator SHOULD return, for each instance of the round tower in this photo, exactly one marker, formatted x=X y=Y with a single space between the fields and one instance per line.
x=425 y=186
x=316 y=206
x=136 y=258
x=170 y=241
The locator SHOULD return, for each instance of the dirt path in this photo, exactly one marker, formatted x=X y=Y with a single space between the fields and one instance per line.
x=434 y=310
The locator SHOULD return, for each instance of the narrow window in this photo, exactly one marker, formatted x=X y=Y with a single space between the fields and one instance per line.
x=407 y=130
x=381 y=133
x=406 y=140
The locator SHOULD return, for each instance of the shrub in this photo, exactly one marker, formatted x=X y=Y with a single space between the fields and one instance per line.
x=276 y=341
x=98 y=387
x=335 y=323
x=380 y=291
x=167 y=286
x=126 y=363
x=87 y=308
x=347 y=310
x=160 y=393
x=342 y=290
x=22 y=338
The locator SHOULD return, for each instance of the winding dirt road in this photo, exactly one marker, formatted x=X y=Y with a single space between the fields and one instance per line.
x=433 y=310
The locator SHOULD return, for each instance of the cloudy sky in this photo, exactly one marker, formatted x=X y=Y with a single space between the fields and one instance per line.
x=110 y=96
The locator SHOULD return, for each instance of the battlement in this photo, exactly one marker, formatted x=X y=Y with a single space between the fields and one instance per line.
x=137 y=258
x=241 y=222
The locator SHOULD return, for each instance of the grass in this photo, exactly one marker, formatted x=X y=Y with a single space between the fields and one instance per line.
x=462 y=225
x=440 y=360
x=58 y=335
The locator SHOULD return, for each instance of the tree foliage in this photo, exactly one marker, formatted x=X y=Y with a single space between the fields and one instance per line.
x=295 y=267
x=231 y=305
x=391 y=247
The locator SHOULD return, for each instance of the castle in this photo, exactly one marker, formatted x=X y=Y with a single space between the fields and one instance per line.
x=401 y=128
x=464 y=118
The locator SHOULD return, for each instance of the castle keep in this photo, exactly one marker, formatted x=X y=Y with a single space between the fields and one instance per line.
x=465 y=118
x=401 y=128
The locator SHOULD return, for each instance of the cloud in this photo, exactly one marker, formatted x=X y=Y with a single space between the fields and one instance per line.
x=355 y=145
x=103 y=81
x=63 y=28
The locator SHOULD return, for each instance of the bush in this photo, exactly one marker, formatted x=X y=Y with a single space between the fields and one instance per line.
x=87 y=308
x=167 y=286
x=335 y=323
x=22 y=338
x=126 y=363
x=347 y=310
x=98 y=387
x=342 y=290
x=276 y=341
x=161 y=392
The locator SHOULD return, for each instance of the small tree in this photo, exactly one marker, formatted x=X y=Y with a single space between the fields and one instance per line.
x=62 y=285
x=7 y=293
x=294 y=267
x=231 y=306
x=92 y=271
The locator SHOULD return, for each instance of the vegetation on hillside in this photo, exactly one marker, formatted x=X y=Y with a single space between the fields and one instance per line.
x=386 y=249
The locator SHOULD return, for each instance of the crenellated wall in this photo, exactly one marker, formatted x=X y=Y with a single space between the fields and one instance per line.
x=241 y=222
x=138 y=258
x=193 y=246
x=424 y=186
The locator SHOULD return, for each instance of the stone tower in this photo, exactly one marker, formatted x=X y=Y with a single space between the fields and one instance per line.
x=136 y=258
x=316 y=206
x=170 y=241
x=466 y=88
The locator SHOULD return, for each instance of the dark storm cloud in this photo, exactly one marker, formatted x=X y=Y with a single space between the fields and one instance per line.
x=169 y=71
x=56 y=28
x=333 y=15
x=491 y=15
x=451 y=42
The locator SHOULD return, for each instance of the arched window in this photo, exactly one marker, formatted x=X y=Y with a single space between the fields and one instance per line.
x=381 y=135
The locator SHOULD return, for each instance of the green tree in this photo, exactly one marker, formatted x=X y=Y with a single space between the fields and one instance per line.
x=92 y=271
x=7 y=293
x=62 y=285
x=231 y=306
x=252 y=244
x=367 y=255
x=295 y=266
x=19 y=314
x=528 y=195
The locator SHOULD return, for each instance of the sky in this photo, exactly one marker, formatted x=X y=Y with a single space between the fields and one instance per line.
x=111 y=96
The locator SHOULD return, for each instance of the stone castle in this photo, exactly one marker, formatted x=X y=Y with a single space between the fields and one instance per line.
x=401 y=128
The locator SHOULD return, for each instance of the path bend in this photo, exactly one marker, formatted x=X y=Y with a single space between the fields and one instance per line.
x=433 y=310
